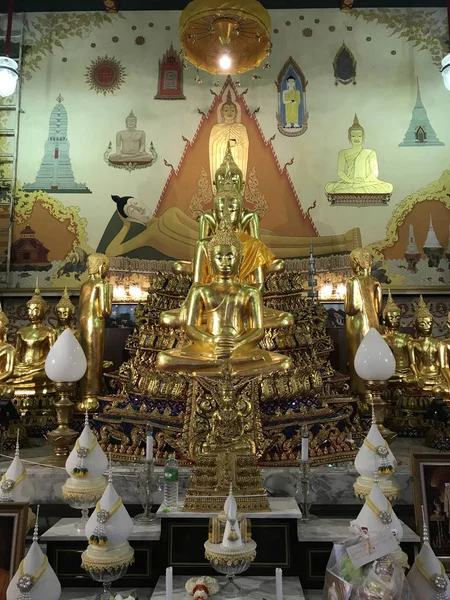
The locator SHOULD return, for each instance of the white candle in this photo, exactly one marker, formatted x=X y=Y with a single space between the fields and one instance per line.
x=305 y=434
x=169 y=583
x=279 y=583
x=149 y=444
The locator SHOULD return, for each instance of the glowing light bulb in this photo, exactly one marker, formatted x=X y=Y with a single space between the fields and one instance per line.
x=8 y=76
x=119 y=292
x=225 y=62
x=341 y=290
x=326 y=291
x=446 y=71
x=135 y=292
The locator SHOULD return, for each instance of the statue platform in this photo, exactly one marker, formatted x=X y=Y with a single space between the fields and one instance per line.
x=358 y=199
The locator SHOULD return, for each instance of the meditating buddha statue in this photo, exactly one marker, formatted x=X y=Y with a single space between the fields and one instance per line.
x=65 y=314
x=130 y=145
x=33 y=343
x=362 y=306
x=7 y=358
x=423 y=351
x=397 y=341
x=443 y=388
x=224 y=320
x=358 y=168
x=257 y=260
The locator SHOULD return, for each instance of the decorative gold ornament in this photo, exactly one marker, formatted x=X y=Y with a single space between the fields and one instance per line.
x=63 y=437
x=236 y=29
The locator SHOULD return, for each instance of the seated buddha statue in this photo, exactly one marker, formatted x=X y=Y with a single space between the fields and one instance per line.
x=7 y=358
x=423 y=351
x=443 y=388
x=257 y=258
x=33 y=343
x=397 y=341
x=65 y=314
x=224 y=320
x=358 y=168
x=130 y=145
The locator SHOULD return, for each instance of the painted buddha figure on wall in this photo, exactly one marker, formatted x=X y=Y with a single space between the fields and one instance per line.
x=358 y=168
x=291 y=101
x=224 y=320
x=397 y=341
x=130 y=145
x=33 y=343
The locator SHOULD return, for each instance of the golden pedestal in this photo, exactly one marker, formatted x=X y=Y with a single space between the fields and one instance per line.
x=210 y=484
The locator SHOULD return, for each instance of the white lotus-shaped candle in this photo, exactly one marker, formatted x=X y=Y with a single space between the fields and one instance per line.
x=374 y=523
x=66 y=361
x=94 y=461
x=117 y=527
x=23 y=490
x=367 y=459
x=374 y=360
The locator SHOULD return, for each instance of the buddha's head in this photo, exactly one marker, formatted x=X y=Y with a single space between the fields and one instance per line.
x=132 y=209
x=423 y=319
x=65 y=310
x=98 y=264
x=225 y=254
x=290 y=83
x=356 y=133
x=229 y=110
x=131 y=121
x=36 y=306
x=4 y=322
x=392 y=314
x=361 y=261
x=229 y=178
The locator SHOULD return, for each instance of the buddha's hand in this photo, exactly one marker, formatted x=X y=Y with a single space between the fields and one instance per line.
x=224 y=346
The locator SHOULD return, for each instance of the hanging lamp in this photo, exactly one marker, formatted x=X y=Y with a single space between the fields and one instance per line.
x=445 y=70
x=9 y=73
x=225 y=36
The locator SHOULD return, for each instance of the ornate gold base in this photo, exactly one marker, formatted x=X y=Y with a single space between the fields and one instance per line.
x=409 y=414
x=210 y=484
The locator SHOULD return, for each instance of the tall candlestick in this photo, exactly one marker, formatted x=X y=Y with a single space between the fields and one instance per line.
x=305 y=441
x=279 y=583
x=149 y=444
x=169 y=583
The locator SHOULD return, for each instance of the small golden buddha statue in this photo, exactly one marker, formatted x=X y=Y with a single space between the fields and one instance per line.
x=65 y=314
x=362 y=306
x=423 y=351
x=7 y=358
x=397 y=341
x=94 y=306
x=33 y=343
x=443 y=389
x=224 y=320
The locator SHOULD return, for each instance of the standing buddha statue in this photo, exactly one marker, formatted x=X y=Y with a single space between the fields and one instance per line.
x=33 y=343
x=397 y=341
x=423 y=351
x=7 y=358
x=362 y=306
x=65 y=314
x=95 y=304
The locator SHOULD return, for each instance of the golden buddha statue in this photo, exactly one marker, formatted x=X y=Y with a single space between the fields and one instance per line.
x=33 y=343
x=224 y=320
x=362 y=306
x=423 y=351
x=443 y=389
x=65 y=314
x=95 y=304
x=7 y=358
x=257 y=258
x=397 y=341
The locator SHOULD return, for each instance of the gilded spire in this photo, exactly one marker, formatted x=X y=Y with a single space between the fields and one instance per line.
x=37 y=298
x=422 y=310
x=390 y=306
x=65 y=301
x=228 y=169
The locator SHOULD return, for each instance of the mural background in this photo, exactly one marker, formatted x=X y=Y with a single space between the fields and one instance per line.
x=391 y=53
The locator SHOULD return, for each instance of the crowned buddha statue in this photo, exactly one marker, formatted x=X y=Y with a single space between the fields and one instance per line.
x=130 y=145
x=65 y=314
x=224 y=320
x=423 y=351
x=362 y=306
x=7 y=358
x=33 y=343
x=443 y=388
x=397 y=341
x=257 y=259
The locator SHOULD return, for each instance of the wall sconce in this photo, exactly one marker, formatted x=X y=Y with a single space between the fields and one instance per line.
x=446 y=71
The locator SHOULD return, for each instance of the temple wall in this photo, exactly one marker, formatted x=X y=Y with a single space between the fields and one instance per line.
x=391 y=56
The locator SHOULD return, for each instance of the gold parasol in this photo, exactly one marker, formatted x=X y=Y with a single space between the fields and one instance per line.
x=225 y=36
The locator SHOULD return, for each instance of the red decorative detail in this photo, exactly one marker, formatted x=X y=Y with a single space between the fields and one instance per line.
x=200 y=588
x=346 y=4
x=111 y=6
x=170 y=80
x=56 y=153
x=105 y=75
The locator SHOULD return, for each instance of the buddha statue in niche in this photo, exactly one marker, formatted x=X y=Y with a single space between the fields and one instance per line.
x=33 y=343
x=362 y=306
x=397 y=341
x=224 y=320
x=65 y=314
x=358 y=168
x=130 y=145
x=7 y=358
x=423 y=351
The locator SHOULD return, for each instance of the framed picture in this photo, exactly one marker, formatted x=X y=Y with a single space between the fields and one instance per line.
x=431 y=484
x=13 y=527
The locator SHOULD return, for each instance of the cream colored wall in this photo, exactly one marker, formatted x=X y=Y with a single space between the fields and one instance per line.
x=383 y=98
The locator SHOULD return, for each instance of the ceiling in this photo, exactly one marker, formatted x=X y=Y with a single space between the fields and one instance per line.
x=124 y=5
